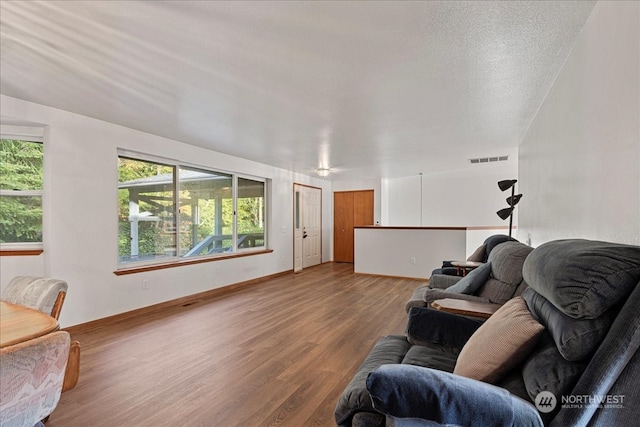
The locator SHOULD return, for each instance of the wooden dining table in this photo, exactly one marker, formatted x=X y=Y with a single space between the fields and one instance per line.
x=19 y=323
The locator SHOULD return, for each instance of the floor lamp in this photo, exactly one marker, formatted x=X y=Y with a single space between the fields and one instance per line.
x=511 y=200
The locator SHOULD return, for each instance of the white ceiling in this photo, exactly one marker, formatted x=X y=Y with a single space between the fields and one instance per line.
x=370 y=89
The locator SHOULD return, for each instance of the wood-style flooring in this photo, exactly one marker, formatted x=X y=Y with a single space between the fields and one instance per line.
x=277 y=353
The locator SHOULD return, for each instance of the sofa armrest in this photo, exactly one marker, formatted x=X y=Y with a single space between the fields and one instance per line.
x=355 y=398
x=428 y=326
x=443 y=281
x=430 y=295
x=406 y=391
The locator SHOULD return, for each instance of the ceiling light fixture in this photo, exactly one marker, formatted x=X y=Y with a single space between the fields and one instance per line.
x=323 y=171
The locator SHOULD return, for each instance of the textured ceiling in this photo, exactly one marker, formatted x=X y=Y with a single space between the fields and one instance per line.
x=370 y=89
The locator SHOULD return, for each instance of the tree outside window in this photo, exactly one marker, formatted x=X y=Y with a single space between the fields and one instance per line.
x=155 y=225
x=21 y=189
x=146 y=220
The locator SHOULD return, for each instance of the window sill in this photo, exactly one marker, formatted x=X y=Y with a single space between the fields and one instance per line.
x=181 y=263
x=20 y=252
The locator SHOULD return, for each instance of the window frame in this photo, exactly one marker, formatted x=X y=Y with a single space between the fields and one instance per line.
x=30 y=134
x=176 y=259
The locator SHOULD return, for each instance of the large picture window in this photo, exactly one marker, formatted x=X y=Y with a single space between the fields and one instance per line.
x=169 y=211
x=21 y=189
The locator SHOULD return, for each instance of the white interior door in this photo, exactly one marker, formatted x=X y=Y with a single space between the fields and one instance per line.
x=297 y=227
x=311 y=243
x=307 y=227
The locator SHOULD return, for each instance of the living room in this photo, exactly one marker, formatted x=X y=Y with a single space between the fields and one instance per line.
x=577 y=163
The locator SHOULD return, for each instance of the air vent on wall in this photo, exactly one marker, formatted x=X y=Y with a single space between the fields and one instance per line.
x=489 y=159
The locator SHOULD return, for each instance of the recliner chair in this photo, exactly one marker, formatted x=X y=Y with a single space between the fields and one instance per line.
x=498 y=280
x=585 y=293
x=479 y=255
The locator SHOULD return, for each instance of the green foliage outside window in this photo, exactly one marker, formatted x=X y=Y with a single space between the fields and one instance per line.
x=152 y=238
x=21 y=171
x=146 y=207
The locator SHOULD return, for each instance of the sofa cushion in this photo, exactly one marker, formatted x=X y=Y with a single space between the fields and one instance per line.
x=492 y=241
x=576 y=339
x=479 y=255
x=507 y=260
x=368 y=419
x=520 y=289
x=442 y=281
x=423 y=397
x=452 y=333
x=583 y=278
x=355 y=398
x=391 y=349
x=416 y=299
x=546 y=370
x=470 y=283
x=506 y=271
x=428 y=357
x=501 y=343
x=515 y=384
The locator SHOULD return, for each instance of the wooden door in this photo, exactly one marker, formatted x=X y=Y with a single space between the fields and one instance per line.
x=343 y=227
x=362 y=208
x=350 y=208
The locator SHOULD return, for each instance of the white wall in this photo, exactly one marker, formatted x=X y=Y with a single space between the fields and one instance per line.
x=414 y=252
x=403 y=201
x=80 y=220
x=11 y=266
x=460 y=198
x=580 y=159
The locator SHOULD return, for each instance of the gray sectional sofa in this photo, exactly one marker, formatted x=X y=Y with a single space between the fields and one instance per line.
x=497 y=281
x=584 y=298
x=479 y=255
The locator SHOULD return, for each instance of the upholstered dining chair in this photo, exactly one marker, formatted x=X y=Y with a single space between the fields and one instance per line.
x=31 y=377
x=40 y=293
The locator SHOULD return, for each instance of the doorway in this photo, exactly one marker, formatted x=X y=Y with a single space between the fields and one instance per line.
x=350 y=209
x=307 y=226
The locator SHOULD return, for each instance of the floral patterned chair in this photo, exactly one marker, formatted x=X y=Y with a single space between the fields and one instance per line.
x=31 y=377
x=40 y=293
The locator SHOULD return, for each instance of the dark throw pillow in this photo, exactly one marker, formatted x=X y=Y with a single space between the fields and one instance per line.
x=576 y=339
x=583 y=278
x=470 y=283
x=480 y=254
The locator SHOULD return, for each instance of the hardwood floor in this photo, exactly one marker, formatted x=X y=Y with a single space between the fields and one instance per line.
x=278 y=353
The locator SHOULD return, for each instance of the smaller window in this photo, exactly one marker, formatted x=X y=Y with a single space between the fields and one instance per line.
x=206 y=212
x=146 y=210
x=21 y=189
x=251 y=195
